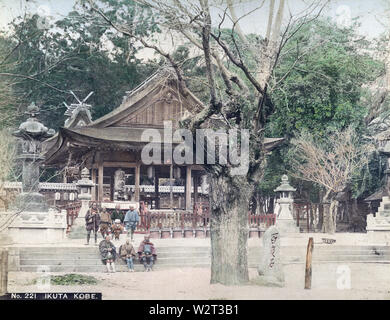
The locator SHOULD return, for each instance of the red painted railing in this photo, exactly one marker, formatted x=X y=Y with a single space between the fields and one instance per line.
x=72 y=211
x=265 y=220
x=198 y=218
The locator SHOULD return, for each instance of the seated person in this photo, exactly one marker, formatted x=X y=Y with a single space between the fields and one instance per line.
x=117 y=229
x=127 y=253
x=108 y=253
x=147 y=253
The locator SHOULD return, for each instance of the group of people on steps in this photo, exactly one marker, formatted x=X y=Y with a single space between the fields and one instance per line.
x=99 y=219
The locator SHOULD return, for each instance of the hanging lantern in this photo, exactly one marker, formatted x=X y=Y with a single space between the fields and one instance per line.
x=150 y=172
x=177 y=173
x=204 y=185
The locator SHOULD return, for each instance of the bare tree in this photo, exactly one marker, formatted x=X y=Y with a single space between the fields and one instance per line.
x=7 y=161
x=242 y=102
x=330 y=165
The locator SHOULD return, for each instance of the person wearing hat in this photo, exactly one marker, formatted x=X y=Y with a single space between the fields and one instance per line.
x=147 y=253
x=117 y=228
x=131 y=221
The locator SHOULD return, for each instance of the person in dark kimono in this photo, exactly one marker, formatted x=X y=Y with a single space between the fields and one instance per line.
x=147 y=253
x=92 y=221
x=118 y=214
x=108 y=253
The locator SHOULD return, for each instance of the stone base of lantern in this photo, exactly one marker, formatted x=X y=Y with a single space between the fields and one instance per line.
x=78 y=230
x=287 y=226
x=34 y=227
x=30 y=202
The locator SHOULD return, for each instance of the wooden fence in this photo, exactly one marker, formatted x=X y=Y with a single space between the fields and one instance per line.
x=305 y=215
x=199 y=218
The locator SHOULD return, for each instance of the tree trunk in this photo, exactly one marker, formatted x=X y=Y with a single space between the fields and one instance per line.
x=330 y=215
x=311 y=215
x=271 y=205
x=320 y=211
x=229 y=201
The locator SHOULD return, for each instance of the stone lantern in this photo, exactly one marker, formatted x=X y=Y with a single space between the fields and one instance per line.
x=34 y=221
x=284 y=218
x=85 y=185
x=31 y=133
x=378 y=225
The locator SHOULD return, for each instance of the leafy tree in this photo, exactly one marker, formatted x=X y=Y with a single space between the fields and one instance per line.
x=74 y=54
x=324 y=87
x=326 y=70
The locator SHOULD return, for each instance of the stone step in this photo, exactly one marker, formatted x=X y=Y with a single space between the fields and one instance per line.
x=119 y=267
x=92 y=255
x=93 y=248
x=80 y=259
x=202 y=259
x=80 y=262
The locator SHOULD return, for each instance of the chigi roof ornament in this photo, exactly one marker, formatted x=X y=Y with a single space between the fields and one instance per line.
x=73 y=110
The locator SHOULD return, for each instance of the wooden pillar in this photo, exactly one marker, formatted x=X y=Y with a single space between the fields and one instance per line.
x=112 y=187
x=93 y=190
x=196 y=185
x=308 y=270
x=156 y=191
x=137 y=181
x=188 y=188
x=171 y=186
x=100 y=181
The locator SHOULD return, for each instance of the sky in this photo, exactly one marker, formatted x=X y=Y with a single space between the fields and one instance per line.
x=372 y=12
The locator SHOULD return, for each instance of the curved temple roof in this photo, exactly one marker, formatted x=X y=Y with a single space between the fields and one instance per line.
x=150 y=104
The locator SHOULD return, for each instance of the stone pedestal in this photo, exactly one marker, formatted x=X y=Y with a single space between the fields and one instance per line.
x=284 y=218
x=78 y=229
x=35 y=227
x=378 y=227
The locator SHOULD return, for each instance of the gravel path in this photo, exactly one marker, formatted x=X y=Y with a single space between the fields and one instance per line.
x=368 y=281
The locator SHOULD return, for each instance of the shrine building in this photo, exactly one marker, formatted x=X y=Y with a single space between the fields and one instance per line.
x=110 y=147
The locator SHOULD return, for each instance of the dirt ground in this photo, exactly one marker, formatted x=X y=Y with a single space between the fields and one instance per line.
x=367 y=281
